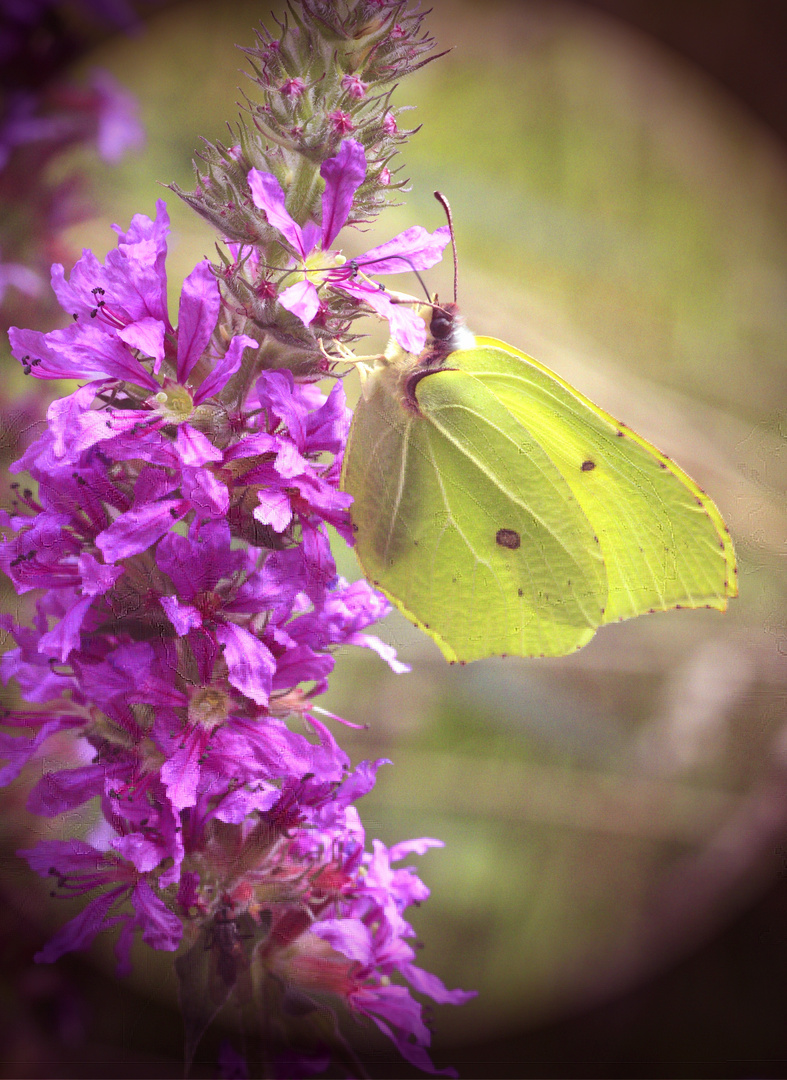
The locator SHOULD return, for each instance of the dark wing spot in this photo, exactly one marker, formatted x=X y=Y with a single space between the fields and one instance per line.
x=663 y=464
x=620 y=434
x=508 y=538
x=588 y=465
x=519 y=592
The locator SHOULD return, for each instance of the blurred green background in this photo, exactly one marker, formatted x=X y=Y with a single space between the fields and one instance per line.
x=621 y=219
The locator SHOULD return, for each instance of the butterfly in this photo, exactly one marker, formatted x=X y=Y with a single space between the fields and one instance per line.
x=504 y=513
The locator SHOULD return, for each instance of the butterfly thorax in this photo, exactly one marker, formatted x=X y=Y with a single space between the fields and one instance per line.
x=403 y=371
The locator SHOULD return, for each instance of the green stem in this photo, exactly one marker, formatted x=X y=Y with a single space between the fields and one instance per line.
x=304 y=189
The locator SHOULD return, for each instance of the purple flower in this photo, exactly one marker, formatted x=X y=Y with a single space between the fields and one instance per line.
x=119 y=130
x=186 y=610
x=414 y=249
x=17 y=276
x=121 y=330
x=358 y=942
x=78 y=869
x=105 y=113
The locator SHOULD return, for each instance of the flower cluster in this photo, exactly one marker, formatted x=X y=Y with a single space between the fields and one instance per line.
x=177 y=653
x=188 y=609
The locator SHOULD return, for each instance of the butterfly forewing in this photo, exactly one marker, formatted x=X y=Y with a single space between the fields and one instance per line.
x=663 y=541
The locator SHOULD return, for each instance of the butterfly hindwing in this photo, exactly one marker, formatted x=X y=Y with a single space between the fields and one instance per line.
x=465 y=523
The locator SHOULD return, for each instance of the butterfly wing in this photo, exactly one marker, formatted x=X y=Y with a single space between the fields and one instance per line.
x=663 y=541
x=462 y=520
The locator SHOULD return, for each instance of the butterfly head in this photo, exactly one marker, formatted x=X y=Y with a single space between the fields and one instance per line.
x=447 y=332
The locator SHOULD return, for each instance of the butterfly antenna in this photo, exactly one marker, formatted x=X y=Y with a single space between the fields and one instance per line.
x=360 y=265
x=447 y=207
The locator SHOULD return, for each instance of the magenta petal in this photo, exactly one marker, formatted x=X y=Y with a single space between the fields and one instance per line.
x=427 y=983
x=138 y=529
x=194 y=448
x=142 y=853
x=197 y=315
x=143 y=247
x=343 y=175
x=161 y=929
x=274 y=509
x=18 y=750
x=251 y=664
x=123 y=947
x=267 y=194
x=290 y=462
x=66 y=857
x=311 y=234
x=74 y=295
x=238 y=804
x=409 y=847
x=302 y=300
x=347 y=936
x=276 y=389
x=413 y=249
x=184 y=617
x=400 y=1009
x=146 y=335
x=407 y=328
x=85 y=431
x=259 y=443
x=63 y=413
x=384 y=651
x=63 y=638
x=79 y=351
x=225 y=368
x=181 y=772
x=96 y=578
x=205 y=492
x=134 y=276
x=64 y=790
x=80 y=931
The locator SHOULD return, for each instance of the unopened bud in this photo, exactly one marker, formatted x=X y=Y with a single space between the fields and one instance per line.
x=353 y=86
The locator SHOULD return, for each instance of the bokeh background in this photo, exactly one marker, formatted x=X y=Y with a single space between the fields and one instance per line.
x=616 y=821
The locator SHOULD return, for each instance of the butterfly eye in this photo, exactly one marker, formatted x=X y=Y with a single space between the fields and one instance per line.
x=441 y=325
